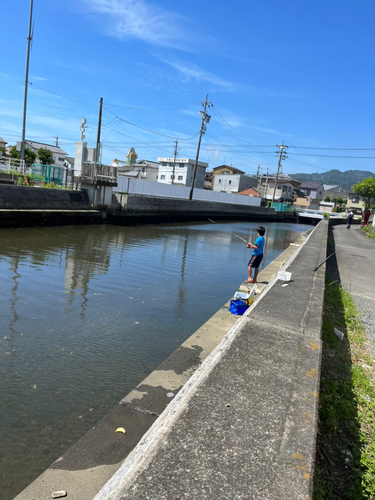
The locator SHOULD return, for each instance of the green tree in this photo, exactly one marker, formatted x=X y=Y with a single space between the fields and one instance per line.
x=45 y=156
x=327 y=198
x=366 y=189
x=14 y=153
x=340 y=200
x=29 y=154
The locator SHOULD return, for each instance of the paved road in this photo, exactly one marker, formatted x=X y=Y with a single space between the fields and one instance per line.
x=355 y=256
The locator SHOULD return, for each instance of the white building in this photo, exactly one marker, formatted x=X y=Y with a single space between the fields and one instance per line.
x=58 y=153
x=233 y=183
x=149 y=170
x=143 y=169
x=183 y=172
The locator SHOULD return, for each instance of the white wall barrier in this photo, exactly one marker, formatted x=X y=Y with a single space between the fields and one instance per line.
x=148 y=188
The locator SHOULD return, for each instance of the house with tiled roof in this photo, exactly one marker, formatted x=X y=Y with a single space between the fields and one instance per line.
x=250 y=192
x=285 y=187
x=57 y=153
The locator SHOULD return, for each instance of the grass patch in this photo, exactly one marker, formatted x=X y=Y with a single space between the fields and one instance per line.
x=345 y=457
x=369 y=230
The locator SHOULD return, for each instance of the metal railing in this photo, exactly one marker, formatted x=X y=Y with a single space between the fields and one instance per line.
x=97 y=171
x=13 y=165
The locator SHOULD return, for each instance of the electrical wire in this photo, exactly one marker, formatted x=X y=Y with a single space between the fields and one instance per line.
x=151 y=131
x=60 y=95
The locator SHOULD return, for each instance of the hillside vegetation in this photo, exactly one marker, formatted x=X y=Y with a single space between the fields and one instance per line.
x=345 y=179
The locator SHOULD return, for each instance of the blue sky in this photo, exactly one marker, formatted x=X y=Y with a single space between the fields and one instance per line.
x=274 y=71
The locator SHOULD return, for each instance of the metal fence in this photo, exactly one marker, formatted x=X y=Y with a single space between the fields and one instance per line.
x=148 y=188
x=283 y=207
x=13 y=166
x=48 y=173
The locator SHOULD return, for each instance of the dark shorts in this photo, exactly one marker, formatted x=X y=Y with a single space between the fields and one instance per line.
x=255 y=260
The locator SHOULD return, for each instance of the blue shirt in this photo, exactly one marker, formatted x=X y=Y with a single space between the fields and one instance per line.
x=260 y=244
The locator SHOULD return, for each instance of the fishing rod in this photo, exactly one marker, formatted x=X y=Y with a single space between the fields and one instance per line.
x=317 y=267
x=213 y=222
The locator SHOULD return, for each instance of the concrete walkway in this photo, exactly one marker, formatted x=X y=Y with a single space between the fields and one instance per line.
x=354 y=266
x=244 y=425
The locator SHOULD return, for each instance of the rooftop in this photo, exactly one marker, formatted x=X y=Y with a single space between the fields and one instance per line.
x=38 y=145
x=234 y=169
x=310 y=185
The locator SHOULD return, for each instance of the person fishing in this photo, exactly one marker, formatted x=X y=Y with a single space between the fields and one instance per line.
x=257 y=256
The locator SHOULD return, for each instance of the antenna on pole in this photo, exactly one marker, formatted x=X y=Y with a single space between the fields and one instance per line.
x=29 y=39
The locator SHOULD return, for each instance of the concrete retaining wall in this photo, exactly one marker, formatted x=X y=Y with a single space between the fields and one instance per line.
x=138 y=208
x=24 y=197
x=242 y=422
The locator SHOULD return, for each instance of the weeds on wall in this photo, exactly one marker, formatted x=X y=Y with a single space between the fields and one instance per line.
x=345 y=456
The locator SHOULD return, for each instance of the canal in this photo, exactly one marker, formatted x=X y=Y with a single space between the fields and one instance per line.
x=87 y=312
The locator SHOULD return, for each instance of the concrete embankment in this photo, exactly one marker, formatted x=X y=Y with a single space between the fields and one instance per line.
x=143 y=209
x=22 y=206
x=241 y=422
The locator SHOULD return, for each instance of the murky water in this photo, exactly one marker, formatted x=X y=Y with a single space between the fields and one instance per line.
x=86 y=313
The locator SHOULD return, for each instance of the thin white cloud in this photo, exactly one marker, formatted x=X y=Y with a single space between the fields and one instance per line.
x=193 y=72
x=137 y=19
x=38 y=78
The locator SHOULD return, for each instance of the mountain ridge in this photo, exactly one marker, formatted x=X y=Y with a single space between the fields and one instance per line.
x=344 y=179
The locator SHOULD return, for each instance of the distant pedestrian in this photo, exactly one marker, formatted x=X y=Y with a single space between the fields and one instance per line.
x=349 y=220
x=257 y=256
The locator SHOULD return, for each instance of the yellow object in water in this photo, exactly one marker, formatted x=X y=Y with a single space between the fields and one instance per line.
x=120 y=429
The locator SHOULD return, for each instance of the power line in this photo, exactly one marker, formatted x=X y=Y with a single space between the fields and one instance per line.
x=337 y=149
x=145 y=109
x=336 y=156
x=60 y=95
x=151 y=131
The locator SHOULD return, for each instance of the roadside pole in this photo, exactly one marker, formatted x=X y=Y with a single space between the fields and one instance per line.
x=205 y=119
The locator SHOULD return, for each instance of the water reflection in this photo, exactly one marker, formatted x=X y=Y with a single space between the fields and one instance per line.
x=88 y=312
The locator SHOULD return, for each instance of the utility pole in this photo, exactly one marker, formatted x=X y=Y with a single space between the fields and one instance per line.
x=205 y=119
x=174 y=158
x=29 y=38
x=282 y=156
x=266 y=186
x=258 y=179
x=57 y=141
x=99 y=127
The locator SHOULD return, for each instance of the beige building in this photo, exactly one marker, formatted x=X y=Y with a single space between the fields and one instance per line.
x=285 y=187
x=355 y=203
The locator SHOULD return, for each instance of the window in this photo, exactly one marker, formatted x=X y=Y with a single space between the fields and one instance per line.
x=180 y=177
x=219 y=181
x=162 y=177
x=230 y=182
x=171 y=176
x=61 y=159
x=355 y=199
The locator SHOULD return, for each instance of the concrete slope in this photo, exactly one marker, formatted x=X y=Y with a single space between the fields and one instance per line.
x=244 y=425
